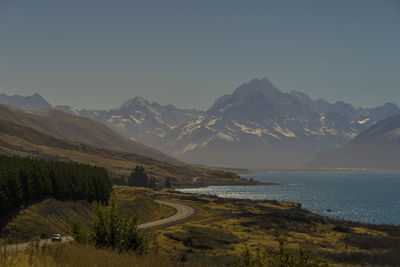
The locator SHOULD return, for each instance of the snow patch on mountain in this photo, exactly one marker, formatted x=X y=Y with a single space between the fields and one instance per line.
x=364 y=121
x=226 y=137
x=283 y=132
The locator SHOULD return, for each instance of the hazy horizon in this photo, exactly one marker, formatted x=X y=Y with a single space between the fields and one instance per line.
x=183 y=107
x=98 y=54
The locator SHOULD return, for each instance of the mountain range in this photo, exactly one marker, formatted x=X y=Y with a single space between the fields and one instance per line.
x=257 y=126
x=376 y=148
x=75 y=128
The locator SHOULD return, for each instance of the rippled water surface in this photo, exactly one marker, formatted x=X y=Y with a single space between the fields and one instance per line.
x=358 y=196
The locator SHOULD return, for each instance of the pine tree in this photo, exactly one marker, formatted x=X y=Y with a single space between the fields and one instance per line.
x=138 y=177
x=152 y=183
x=26 y=179
x=167 y=183
x=16 y=192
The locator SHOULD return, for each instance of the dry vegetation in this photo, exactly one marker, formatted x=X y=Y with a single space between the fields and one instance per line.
x=221 y=229
x=75 y=255
x=51 y=216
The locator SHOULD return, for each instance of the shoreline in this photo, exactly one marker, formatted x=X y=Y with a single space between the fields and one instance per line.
x=262 y=171
x=300 y=205
x=195 y=186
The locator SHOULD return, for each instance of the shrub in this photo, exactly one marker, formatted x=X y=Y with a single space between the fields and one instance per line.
x=112 y=230
x=282 y=257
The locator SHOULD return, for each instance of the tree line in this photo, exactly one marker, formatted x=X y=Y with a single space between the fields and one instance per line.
x=139 y=178
x=27 y=179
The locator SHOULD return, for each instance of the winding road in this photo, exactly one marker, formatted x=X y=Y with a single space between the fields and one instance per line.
x=182 y=212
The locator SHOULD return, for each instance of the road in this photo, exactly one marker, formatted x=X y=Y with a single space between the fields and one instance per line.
x=23 y=246
x=182 y=212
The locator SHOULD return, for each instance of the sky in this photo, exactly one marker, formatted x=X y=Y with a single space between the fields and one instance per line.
x=98 y=54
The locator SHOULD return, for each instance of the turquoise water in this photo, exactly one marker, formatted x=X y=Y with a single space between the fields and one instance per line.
x=356 y=196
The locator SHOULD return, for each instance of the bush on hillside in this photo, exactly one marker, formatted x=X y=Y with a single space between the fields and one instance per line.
x=112 y=230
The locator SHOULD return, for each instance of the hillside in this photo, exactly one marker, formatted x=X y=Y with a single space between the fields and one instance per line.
x=376 y=148
x=74 y=128
x=50 y=216
x=24 y=141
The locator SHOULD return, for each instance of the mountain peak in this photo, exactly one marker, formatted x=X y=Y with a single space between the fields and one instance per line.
x=33 y=102
x=137 y=100
x=259 y=86
x=262 y=78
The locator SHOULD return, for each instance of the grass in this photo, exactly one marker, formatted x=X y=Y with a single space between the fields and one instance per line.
x=51 y=216
x=221 y=228
x=44 y=219
x=74 y=255
x=260 y=224
x=203 y=237
x=138 y=201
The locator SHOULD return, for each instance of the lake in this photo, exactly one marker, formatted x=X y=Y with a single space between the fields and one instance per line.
x=369 y=197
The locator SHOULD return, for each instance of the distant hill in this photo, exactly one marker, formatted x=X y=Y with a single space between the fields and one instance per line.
x=16 y=139
x=376 y=148
x=34 y=102
x=75 y=128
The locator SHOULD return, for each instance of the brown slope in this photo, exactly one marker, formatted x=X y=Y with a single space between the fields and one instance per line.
x=20 y=140
x=74 y=128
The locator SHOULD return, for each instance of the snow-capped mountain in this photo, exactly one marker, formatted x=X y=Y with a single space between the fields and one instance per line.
x=141 y=120
x=256 y=126
x=260 y=126
x=375 y=148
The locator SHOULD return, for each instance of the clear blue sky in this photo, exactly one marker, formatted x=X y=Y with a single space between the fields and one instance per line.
x=97 y=54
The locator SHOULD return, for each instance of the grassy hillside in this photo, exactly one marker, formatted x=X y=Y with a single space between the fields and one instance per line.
x=24 y=141
x=45 y=218
x=50 y=216
x=74 y=128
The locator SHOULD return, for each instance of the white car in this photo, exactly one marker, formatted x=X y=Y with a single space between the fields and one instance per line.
x=56 y=238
